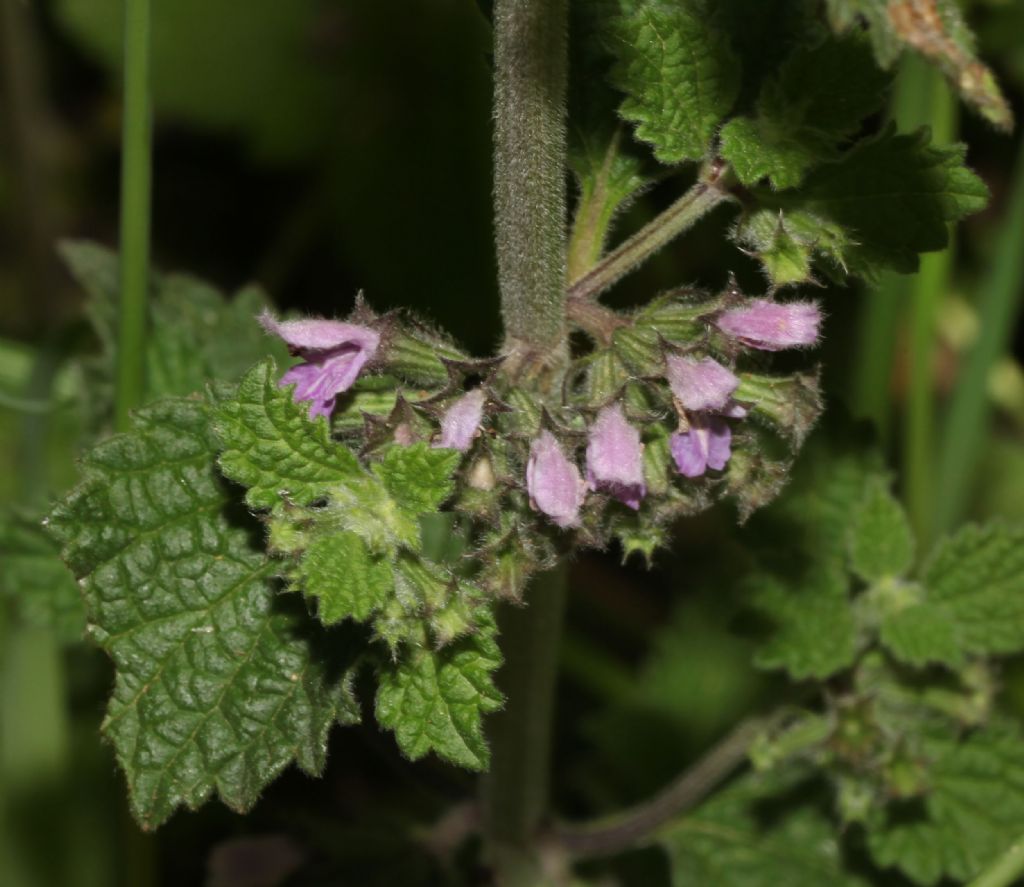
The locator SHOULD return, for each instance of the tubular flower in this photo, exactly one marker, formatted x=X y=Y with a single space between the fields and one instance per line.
x=461 y=421
x=772 y=326
x=615 y=457
x=700 y=384
x=554 y=482
x=334 y=353
x=708 y=444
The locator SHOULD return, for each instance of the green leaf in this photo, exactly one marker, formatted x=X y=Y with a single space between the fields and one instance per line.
x=971 y=812
x=218 y=686
x=818 y=99
x=892 y=196
x=814 y=633
x=272 y=447
x=764 y=830
x=35 y=579
x=348 y=581
x=881 y=541
x=435 y=700
x=935 y=29
x=678 y=72
x=418 y=476
x=971 y=600
x=786 y=243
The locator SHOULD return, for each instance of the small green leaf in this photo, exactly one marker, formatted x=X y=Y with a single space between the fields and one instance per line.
x=731 y=841
x=271 y=446
x=218 y=688
x=418 y=476
x=348 y=581
x=881 y=541
x=35 y=579
x=814 y=633
x=787 y=243
x=678 y=72
x=435 y=700
x=971 y=812
x=818 y=99
x=971 y=601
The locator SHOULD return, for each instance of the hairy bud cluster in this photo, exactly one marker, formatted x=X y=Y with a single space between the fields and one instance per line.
x=653 y=424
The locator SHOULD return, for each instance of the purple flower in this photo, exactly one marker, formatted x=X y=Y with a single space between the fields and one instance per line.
x=553 y=482
x=772 y=326
x=334 y=354
x=700 y=384
x=615 y=457
x=708 y=444
x=461 y=421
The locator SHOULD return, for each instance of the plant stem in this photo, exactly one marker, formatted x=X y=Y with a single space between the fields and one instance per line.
x=1006 y=870
x=136 y=186
x=629 y=828
x=928 y=289
x=516 y=788
x=661 y=230
x=965 y=431
x=531 y=72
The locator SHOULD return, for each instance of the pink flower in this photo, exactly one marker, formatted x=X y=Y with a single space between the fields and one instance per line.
x=334 y=354
x=700 y=384
x=772 y=326
x=554 y=482
x=461 y=421
x=708 y=444
x=615 y=457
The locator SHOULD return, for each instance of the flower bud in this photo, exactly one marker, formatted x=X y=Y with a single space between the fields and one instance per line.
x=461 y=421
x=700 y=384
x=772 y=326
x=615 y=457
x=708 y=444
x=334 y=354
x=554 y=482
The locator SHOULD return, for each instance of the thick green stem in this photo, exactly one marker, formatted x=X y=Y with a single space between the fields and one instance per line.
x=664 y=228
x=136 y=185
x=516 y=788
x=531 y=71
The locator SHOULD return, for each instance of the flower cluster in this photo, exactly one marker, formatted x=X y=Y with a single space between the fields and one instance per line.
x=703 y=393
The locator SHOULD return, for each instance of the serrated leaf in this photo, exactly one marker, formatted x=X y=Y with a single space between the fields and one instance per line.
x=971 y=600
x=881 y=541
x=787 y=243
x=679 y=74
x=436 y=700
x=347 y=581
x=935 y=29
x=218 y=687
x=272 y=447
x=728 y=842
x=814 y=633
x=35 y=579
x=818 y=99
x=418 y=476
x=971 y=812
x=892 y=197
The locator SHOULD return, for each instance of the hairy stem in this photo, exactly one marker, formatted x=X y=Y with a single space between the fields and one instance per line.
x=628 y=829
x=1006 y=870
x=531 y=71
x=516 y=788
x=664 y=228
x=136 y=186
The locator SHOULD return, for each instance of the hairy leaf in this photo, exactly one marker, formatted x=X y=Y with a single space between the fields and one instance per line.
x=970 y=601
x=679 y=74
x=218 y=684
x=881 y=541
x=970 y=813
x=435 y=700
x=935 y=29
x=818 y=99
x=758 y=832
x=348 y=581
